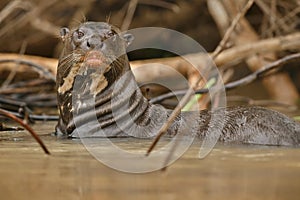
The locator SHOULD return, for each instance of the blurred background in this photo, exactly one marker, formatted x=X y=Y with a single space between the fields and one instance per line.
x=32 y=27
x=37 y=22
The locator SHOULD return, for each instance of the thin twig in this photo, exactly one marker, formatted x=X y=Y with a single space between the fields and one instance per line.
x=40 y=69
x=36 y=117
x=28 y=128
x=11 y=6
x=163 y=4
x=13 y=72
x=11 y=102
x=266 y=9
x=292 y=16
x=26 y=90
x=230 y=29
x=129 y=14
x=30 y=83
x=21 y=104
x=241 y=82
x=190 y=91
x=45 y=26
x=3 y=127
x=26 y=18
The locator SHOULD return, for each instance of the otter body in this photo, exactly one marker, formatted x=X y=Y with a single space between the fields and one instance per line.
x=98 y=97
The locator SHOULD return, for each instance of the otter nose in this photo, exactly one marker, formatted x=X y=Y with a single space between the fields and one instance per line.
x=94 y=43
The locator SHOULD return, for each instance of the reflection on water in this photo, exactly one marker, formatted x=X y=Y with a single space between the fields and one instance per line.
x=229 y=172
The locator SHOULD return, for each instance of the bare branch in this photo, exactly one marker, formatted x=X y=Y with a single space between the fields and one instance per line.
x=40 y=69
x=190 y=91
x=28 y=128
x=231 y=28
x=244 y=81
x=129 y=15
x=163 y=4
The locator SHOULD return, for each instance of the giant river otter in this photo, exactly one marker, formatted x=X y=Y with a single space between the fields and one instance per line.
x=95 y=83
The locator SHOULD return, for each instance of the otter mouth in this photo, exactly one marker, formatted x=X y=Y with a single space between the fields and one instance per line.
x=94 y=59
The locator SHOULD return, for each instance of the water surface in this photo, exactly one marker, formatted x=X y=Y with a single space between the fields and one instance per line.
x=229 y=172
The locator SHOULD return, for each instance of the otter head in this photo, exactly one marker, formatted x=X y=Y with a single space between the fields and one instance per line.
x=96 y=50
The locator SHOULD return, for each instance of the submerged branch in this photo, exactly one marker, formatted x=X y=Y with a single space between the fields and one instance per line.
x=28 y=128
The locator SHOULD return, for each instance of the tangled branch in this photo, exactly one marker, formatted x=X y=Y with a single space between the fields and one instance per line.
x=266 y=70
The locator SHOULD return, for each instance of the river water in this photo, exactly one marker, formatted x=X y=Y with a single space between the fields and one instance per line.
x=71 y=172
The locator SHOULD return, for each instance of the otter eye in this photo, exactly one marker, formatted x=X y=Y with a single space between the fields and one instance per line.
x=110 y=34
x=80 y=34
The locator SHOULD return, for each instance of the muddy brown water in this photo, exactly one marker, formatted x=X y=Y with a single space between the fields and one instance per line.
x=70 y=172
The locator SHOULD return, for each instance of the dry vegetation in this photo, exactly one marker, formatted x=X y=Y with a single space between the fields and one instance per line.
x=266 y=33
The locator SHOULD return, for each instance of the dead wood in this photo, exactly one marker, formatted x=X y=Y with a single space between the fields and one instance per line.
x=190 y=91
x=279 y=86
x=48 y=63
x=228 y=56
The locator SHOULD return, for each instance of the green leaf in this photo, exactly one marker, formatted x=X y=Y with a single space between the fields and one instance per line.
x=196 y=97
x=297 y=118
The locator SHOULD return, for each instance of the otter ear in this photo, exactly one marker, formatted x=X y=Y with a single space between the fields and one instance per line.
x=64 y=33
x=128 y=38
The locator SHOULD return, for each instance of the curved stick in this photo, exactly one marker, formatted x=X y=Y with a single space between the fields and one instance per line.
x=28 y=128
